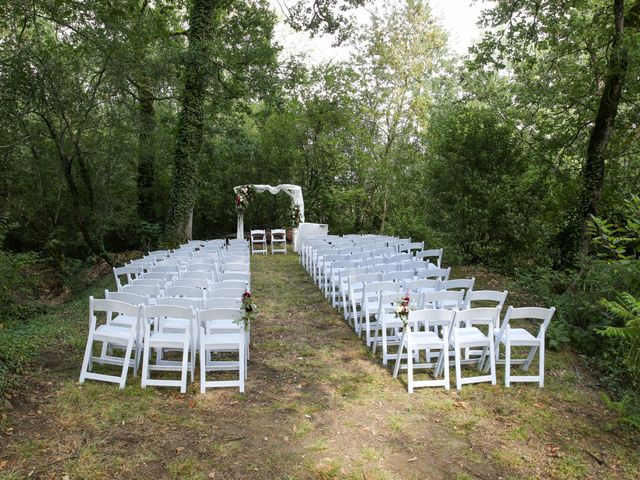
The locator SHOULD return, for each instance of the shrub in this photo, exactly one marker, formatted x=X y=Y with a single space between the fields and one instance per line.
x=17 y=279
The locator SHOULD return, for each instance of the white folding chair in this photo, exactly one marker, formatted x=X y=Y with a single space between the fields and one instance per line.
x=159 y=339
x=434 y=337
x=520 y=337
x=235 y=267
x=433 y=254
x=356 y=287
x=484 y=298
x=467 y=335
x=278 y=241
x=130 y=272
x=389 y=328
x=440 y=273
x=111 y=334
x=258 y=242
x=369 y=306
x=221 y=330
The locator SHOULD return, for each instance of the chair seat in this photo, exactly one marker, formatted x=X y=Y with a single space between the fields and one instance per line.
x=470 y=336
x=221 y=340
x=164 y=339
x=112 y=332
x=174 y=324
x=469 y=331
x=424 y=339
x=124 y=320
x=520 y=335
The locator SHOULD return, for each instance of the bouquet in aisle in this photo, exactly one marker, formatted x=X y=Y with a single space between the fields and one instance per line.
x=249 y=309
x=402 y=307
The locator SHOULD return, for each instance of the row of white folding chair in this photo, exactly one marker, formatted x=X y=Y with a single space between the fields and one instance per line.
x=173 y=329
x=464 y=334
x=432 y=299
x=332 y=287
x=233 y=265
x=323 y=272
x=356 y=245
x=351 y=284
x=437 y=294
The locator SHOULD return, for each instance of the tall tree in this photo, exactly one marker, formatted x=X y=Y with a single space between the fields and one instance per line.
x=571 y=61
x=191 y=120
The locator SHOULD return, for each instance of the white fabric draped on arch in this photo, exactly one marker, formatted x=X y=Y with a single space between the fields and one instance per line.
x=294 y=191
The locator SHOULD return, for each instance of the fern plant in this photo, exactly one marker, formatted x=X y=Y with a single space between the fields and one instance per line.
x=626 y=309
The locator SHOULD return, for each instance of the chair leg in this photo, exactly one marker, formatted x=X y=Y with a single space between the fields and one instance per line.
x=125 y=363
x=396 y=368
x=385 y=347
x=445 y=361
x=541 y=365
x=409 y=366
x=241 y=365
x=530 y=357
x=456 y=351
x=86 y=361
x=203 y=368
x=492 y=360
x=185 y=362
x=145 y=364
x=507 y=361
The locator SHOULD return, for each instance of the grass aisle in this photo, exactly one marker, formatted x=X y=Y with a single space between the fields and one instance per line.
x=317 y=407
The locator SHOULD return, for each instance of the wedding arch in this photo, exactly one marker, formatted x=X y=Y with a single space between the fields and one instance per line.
x=244 y=192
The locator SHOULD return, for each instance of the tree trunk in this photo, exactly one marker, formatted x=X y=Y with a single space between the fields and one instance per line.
x=190 y=121
x=85 y=217
x=574 y=238
x=146 y=152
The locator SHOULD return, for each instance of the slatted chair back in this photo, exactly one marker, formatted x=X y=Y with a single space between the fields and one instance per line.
x=440 y=273
x=188 y=292
x=423 y=286
x=483 y=297
x=128 y=272
x=145 y=290
x=234 y=293
x=449 y=300
x=433 y=255
x=235 y=303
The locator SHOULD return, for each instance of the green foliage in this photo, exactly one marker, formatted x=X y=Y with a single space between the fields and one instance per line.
x=626 y=309
x=581 y=314
x=486 y=211
x=627 y=408
x=17 y=280
x=618 y=241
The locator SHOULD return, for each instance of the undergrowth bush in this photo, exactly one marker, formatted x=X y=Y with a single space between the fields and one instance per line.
x=581 y=298
x=17 y=280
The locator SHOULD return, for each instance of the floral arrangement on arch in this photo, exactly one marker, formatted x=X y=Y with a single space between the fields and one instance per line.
x=246 y=194
x=402 y=307
x=249 y=309
x=295 y=216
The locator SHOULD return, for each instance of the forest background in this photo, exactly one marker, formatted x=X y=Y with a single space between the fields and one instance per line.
x=125 y=125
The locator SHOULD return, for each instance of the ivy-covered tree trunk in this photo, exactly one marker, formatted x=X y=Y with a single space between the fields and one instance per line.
x=190 y=122
x=146 y=153
x=574 y=239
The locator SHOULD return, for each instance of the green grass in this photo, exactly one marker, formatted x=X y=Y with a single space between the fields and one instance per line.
x=327 y=409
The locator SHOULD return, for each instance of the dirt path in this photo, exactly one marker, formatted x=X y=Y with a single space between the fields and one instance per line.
x=317 y=407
